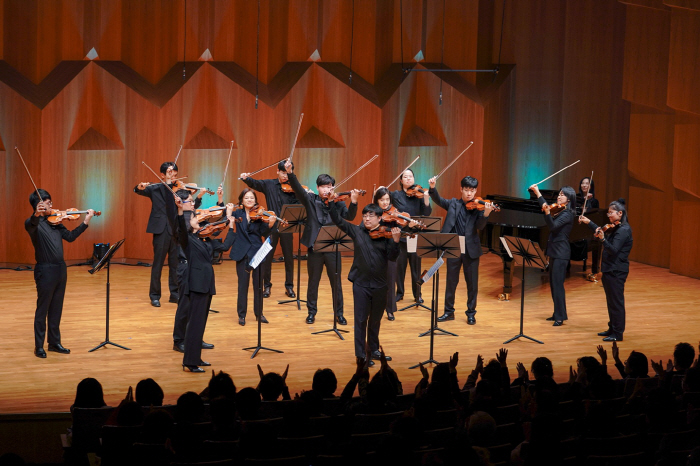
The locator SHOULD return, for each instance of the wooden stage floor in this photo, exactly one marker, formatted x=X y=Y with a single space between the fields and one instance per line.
x=662 y=309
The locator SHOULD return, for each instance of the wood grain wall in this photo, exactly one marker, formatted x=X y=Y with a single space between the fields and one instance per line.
x=89 y=89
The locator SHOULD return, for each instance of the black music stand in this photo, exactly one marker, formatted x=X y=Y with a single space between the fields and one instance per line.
x=254 y=267
x=106 y=259
x=295 y=215
x=432 y=225
x=531 y=255
x=333 y=239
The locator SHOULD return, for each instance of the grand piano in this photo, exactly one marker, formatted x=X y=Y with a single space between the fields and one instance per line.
x=523 y=218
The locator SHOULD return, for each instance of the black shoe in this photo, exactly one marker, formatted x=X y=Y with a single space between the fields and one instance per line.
x=377 y=355
x=606 y=333
x=399 y=298
x=179 y=347
x=262 y=319
x=241 y=321
x=204 y=363
x=310 y=319
x=266 y=291
x=192 y=368
x=550 y=319
x=612 y=338
x=446 y=316
x=290 y=292
x=173 y=300
x=40 y=353
x=155 y=303
x=419 y=300
x=342 y=320
x=390 y=316
x=371 y=363
x=207 y=345
x=557 y=323
x=58 y=348
x=471 y=320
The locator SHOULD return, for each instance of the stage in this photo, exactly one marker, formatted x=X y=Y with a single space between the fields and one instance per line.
x=662 y=310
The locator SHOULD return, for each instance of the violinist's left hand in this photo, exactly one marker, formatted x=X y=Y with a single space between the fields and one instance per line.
x=354 y=196
x=202 y=191
x=396 y=234
x=584 y=219
x=88 y=216
x=545 y=207
x=488 y=208
x=413 y=224
x=271 y=221
x=599 y=233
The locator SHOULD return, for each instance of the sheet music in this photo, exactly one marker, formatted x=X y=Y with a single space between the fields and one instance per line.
x=431 y=271
x=261 y=254
x=462 y=247
x=412 y=244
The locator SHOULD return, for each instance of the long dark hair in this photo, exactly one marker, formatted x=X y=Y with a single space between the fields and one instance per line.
x=591 y=189
x=380 y=193
x=619 y=206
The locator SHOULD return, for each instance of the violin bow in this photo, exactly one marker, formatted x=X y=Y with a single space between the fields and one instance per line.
x=355 y=172
x=30 y=175
x=401 y=173
x=452 y=163
x=583 y=210
x=162 y=181
x=226 y=169
x=557 y=172
x=264 y=168
x=178 y=155
x=301 y=117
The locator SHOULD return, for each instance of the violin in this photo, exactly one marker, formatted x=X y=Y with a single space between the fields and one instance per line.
x=57 y=216
x=610 y=226
x=287 y=188
x=193 y=188
x=344 y=195
x=400 y=218
x=385 y=232
x=212 y=213
x=416 y=191
x=258 y=212
x=555 y=208
x=479 y=204
x=211 y=229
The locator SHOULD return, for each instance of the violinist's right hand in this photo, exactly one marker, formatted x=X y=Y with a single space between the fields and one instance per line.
x=244 y=176
x=180 y=205
x=229 y=209
x=220 y=194
x=535 y=190
x=432 y=181
x=42 y=208
x=142 y=186
x=584 y=219
x=288 y=166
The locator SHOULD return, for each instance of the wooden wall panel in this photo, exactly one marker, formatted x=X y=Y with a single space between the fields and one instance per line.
x=686 y=157
x=683 y=66
x=686 y=249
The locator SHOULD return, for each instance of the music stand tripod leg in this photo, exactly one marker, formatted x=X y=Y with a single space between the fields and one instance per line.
x=259 y=346
x=433 y=322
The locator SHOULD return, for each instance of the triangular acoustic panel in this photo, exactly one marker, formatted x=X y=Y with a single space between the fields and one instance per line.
x=315 y=138
x=208 y=139
x=94 y=140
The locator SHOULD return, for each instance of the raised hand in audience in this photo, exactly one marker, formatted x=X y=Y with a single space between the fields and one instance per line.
x=522 y=372
x=454 y=359
x=616 y=353
x=603 y=355
x=424 y=371
x=573 y=376
x=659 y=369
x=502 y=356
x=479 y=364
x=260 y=372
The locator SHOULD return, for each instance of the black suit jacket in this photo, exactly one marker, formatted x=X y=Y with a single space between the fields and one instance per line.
x=317 y=212
x=475 y=221
x=160 y=197
x=200 y=253
x=248 y=236
x=558 y=246
x=616 y=248
x=275 y=198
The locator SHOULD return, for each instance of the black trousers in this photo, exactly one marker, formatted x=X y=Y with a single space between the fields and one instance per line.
x=557 y=275
x=390 y=289
x=314 y=267
x=164 y=245
x=614 y=286
x=50 y=282
x=287 y=242
x=470 y=268
x=199 y=311
x=405 y=258
x=369 y=308
x=183 y=305
x=244 y=285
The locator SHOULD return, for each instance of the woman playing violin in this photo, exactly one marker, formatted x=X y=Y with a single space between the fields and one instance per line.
x=200 y=286
x=558 y=246
x=617 y=244
x=414 y=206
x=586 y=194
x=248 y=239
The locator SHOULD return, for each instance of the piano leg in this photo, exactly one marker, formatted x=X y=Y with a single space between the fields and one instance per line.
x=508 y=268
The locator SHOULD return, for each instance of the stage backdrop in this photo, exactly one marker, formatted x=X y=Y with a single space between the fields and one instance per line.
x=89 y=89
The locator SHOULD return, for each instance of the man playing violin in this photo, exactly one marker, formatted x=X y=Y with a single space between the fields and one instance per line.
x=464 y=222
x=318 y=215
x=277 y=196
x=368 y=275
x=413 y=205
x=50 y=271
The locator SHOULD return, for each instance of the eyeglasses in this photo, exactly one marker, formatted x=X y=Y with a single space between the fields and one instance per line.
x=369 y=215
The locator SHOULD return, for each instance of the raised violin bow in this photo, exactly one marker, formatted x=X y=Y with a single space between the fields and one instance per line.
x=585 y=200
x=178 y=155
x=347 y=178
x=301 y=117
x=557 y=172
x=401 y=172
x=226 y=169
x=264 y=168
x=162 y=181
x=452 y=163
x=30 y=175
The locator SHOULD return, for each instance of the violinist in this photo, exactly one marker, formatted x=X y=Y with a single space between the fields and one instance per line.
x=617 y=244
x=413 y=205
x=276 y=196
x=382 y=198
x=50 y=271
x=464 y=222
x=164 y=240
x=200 y=285
x=558 y=246
x=183 y=303
x=368 y=275
x=249 y=238
x=586 y=193
x=318 y=215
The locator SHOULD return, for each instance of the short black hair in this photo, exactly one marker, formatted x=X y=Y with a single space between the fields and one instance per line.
x=542 y=367
x=469 y=182
x=372 y=208
x=683 y=355
x=325 y=382
x=380 y=193
x=149 y=393
x=34 y=197
x=281 y=165
x=638 y=364
x=325 y=179
x=165 y=165
x=271 y=386
x=183 y=194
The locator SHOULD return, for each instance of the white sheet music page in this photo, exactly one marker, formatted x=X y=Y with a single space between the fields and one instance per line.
x=261 y=254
